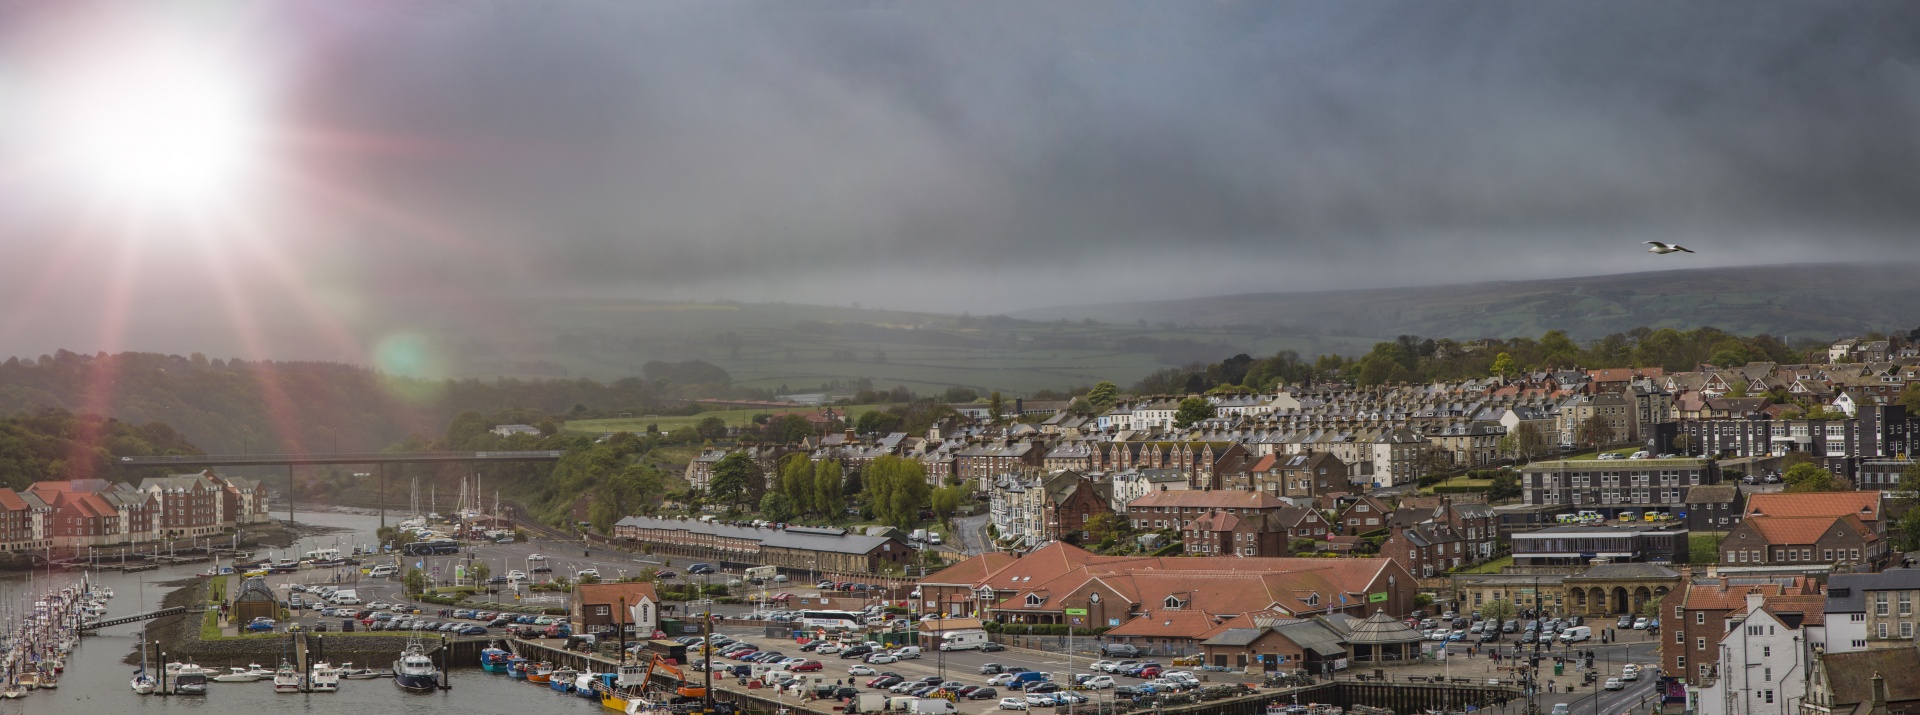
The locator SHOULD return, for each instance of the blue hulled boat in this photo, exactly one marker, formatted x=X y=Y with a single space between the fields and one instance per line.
x=517 y=668
x=494 y=660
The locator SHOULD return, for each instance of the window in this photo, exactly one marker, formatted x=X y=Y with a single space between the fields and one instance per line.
x=1906 y=629
x=1766 y=651
x=1756 y=630
x=1699 y=644
x=1906 y=603
x=1767 y=675
x=1679 y=638
x=1680 y=663
x=1883 y=630
x=1700 y=618
x=1829 y=554
x=1766 y=695
x=602 y=610
x=1880 y=603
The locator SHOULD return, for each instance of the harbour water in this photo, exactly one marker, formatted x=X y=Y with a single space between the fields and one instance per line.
x=96 y=676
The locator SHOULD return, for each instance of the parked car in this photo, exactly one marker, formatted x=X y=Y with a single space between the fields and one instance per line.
x=984 y=693
x=991 y=647
x=1013 y=704
x=859 y=669
x=881 y=658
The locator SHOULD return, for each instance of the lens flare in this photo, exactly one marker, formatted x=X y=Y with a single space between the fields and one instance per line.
x=163 y=127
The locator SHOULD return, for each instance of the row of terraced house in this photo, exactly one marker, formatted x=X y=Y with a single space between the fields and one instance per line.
x=78 y=513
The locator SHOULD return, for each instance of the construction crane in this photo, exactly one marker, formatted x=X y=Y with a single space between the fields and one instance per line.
x=685 y=689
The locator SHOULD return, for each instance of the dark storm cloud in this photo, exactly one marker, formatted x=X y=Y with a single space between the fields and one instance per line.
x=993 y=155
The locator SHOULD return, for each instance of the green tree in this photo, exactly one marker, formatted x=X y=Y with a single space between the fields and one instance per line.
x=415 y=582
x=1805 y=477
x=1506 y=485
x=480 y=572
x=1083 y=407
x=946 y=501
x=1909 y=487
x=878 y=422
x=1906 y=530
x=1503 y=366
x=828 y=490
x=1498 y=609
x=711 y=428
x=896 y=489
x=776 y=506
x=996 y=407
x=1104 y=394
x=1192 y=410
x=1910 y=398
x=796 y=480
x=736 y=481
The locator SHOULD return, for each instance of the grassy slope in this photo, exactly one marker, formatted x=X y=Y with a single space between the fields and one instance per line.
x=638 y=425
x=1790 y=301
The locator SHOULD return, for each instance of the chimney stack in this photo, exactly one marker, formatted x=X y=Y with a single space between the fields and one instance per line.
x=1879 y=694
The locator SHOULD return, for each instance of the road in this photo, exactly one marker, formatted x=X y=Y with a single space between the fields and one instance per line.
x=971 y=534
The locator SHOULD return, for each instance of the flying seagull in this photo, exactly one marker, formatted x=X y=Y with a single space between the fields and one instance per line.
x=1662 y=248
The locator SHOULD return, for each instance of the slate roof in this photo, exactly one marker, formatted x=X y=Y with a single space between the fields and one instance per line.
x=1850 y=675
x=1236 y=637
x=1381 y=628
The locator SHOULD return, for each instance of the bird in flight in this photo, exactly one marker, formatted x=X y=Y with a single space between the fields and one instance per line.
x=1664 y=248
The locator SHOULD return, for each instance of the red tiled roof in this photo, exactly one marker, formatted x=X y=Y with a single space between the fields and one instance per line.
x=1166 y=624
x=11 y=501
x=1863 y=505
x=1784 y=531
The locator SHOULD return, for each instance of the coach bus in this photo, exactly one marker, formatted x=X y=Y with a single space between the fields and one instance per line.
x=831 y=620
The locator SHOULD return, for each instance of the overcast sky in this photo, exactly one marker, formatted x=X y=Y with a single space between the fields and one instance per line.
x=462 y=155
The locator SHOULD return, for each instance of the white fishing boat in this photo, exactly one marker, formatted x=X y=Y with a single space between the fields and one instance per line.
x=325 y=679
x=286 y=679
x=243 y=675
x=349 y=672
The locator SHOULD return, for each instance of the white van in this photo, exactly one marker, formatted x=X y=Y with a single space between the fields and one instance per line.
x=905 y=652
x=383 y=571
x=1576 y=634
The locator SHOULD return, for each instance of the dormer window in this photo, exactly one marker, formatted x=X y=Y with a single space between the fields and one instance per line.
x=1034 y=599
x=1313 y=599
x=1173 y=603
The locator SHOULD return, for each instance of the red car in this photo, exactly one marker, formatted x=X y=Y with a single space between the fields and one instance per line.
x=807 y=667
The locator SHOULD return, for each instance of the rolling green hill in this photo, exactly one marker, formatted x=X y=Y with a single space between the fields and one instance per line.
x=1789 y=301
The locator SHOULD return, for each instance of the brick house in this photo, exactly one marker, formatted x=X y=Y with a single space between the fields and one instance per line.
x=1362 y=515
x=1223 y=533
x=1426 y=549
x=1072 y=499
x=23 y=522
x=1776 y=540
x=604 y=607
x=190 y=504
x=1173 y=509
x=1714 y=507
x=1305 y=477
x=1694 y=617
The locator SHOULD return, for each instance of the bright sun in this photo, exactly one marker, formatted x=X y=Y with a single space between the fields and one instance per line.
x=162 y=129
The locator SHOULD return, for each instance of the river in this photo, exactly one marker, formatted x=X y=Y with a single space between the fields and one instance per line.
x=96 y=679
